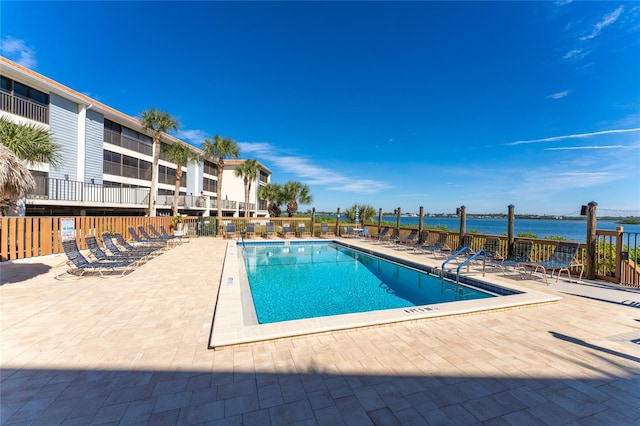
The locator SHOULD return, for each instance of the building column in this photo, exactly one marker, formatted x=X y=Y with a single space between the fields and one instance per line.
x=82 y=141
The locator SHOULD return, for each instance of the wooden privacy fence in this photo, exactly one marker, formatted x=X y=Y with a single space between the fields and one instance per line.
x=22 y=237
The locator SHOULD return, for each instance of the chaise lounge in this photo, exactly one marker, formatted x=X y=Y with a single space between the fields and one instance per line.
x=562 y=259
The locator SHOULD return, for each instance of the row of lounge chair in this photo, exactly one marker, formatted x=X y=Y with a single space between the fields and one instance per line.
x=286 y=231
x=123 y=257
x=562 y=259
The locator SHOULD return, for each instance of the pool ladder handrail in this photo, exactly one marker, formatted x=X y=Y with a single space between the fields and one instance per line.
x=469 y=259
x=453 y=256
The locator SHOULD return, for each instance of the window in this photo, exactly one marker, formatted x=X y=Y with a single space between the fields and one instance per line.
x=113 y=157
x=127 y=166
x=209 y=185
x=21 y=90
x=6 y=85
x=24 y=101
x=111 y=164
x=42 y=184
x=26 y=92
x=129 y=161
x=108 y=124
x=210 y=168
x=127 y=138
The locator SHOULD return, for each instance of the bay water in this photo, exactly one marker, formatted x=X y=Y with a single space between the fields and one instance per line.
x=572 y=230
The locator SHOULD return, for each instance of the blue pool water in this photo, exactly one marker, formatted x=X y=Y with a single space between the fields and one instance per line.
x=309 y=280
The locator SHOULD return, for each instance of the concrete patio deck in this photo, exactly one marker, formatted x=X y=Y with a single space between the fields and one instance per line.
x=134 y=350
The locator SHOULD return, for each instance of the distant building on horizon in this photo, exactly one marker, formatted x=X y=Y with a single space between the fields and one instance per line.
x=107 y=158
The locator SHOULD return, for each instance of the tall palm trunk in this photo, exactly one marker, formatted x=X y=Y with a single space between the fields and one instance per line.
x=219 y=191
x=292 y=207
x=177 y=190
x=246 y=197
x=154 y=175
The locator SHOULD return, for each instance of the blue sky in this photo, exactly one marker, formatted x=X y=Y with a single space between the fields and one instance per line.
x=434 y=104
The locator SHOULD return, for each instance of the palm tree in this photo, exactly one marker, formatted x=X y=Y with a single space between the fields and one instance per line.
x=248 y=171
x=28 y=143
x=273 y=193
x=15 y=180
x=159 y=122
x=32 y=143
x=181 y=155
x=294 y=192
x=366 y=213
x=220 y=148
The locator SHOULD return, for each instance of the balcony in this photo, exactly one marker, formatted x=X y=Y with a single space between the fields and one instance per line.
x=73 y=192
x=250 y=206
x=185 y=202
x=24 y=108
x=125 y=141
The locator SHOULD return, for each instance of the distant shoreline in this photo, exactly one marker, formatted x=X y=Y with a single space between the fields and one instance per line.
x=623 y=220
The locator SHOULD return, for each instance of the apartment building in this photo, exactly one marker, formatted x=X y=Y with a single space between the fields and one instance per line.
x=107 y=158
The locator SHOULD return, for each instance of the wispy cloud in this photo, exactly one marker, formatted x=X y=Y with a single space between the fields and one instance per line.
x=558 y=95
x=195 y=137
x=309 y=172
x=576 y=54
x=547 y=183
x=575 y=136
x=18 y=51
x=570 y=148
x=584 y=179
x=572 y=53
x=603 y=23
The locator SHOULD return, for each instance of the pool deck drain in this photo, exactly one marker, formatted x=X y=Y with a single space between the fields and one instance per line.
x=235 y=323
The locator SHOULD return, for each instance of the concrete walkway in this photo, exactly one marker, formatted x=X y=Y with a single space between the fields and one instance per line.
x=133 y=350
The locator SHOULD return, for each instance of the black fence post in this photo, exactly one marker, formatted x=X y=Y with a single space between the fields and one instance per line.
x=420 y=224
x=592 y=241
x=510 y=230
x=462 y=211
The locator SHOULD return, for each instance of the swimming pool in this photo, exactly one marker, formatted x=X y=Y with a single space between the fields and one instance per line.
x=235 y=321
x=309 y=280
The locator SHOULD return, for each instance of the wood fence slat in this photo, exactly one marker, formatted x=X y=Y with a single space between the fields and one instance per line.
x=4 y=238
x=46 y=239
x=36 y=238
x=20 y=238
x=57 y=237
x=28 y=237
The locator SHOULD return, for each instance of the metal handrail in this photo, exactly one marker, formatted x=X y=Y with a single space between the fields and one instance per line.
x=454 y=255
x=469 y=259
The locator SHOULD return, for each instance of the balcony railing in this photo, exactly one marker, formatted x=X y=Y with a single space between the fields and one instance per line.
x=250 y=206
x=185 y=201
x=226 y=204
x=51 y=189
x=24 y=108
x=74 y=191
x=125 y=141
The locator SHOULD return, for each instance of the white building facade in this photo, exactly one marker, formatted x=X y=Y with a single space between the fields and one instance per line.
x=107 y=158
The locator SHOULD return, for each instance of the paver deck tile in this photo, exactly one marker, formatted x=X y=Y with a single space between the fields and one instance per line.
x=135 y=350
